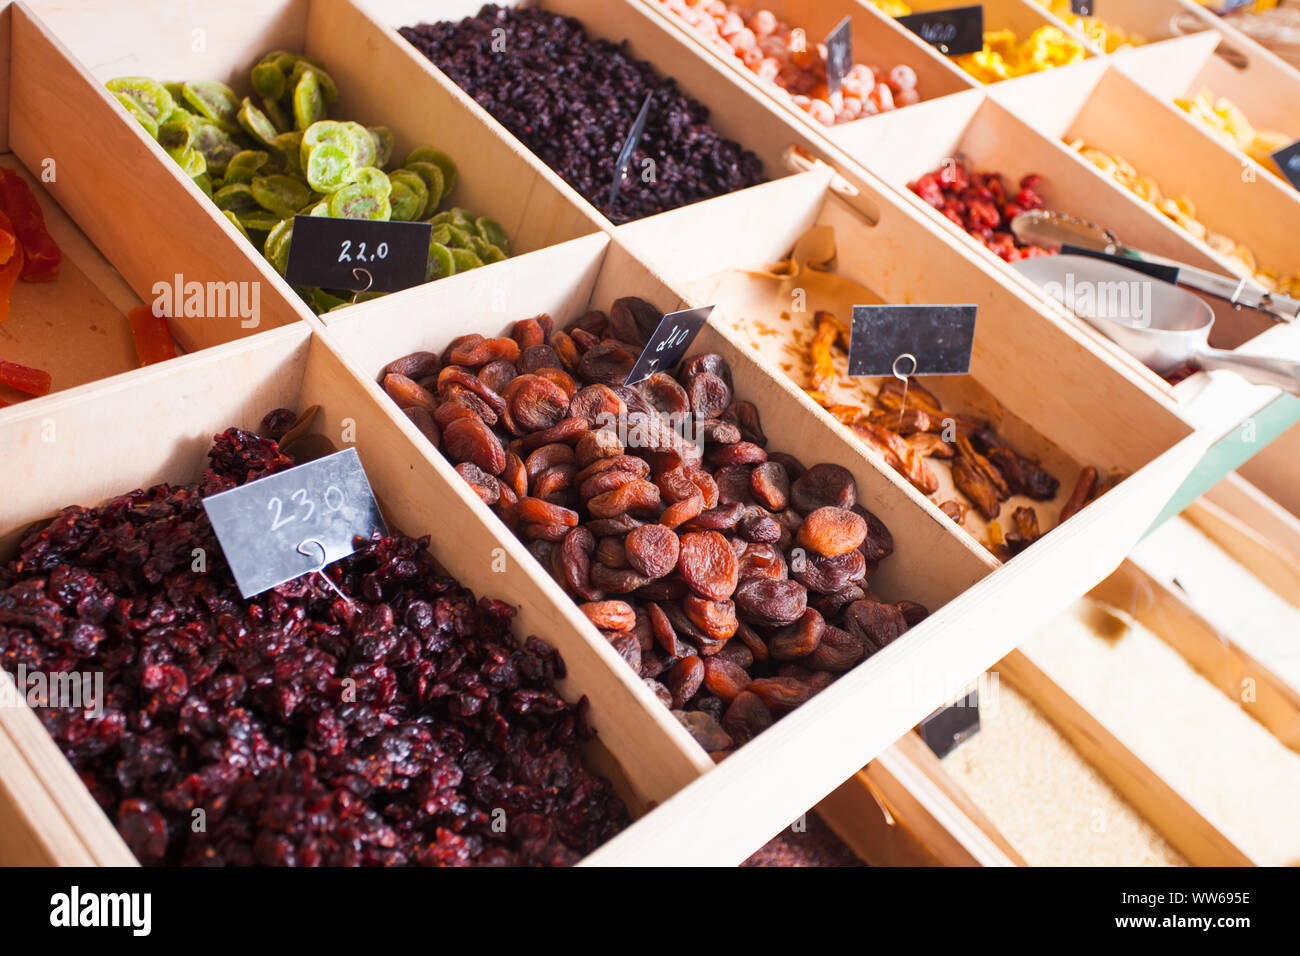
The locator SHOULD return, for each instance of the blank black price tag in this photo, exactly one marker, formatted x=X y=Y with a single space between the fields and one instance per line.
x=1081 y=8
x=938 y=337
x=947 y=727
x=337 y=253
x=280 y=527
x=1155 y=270
x=839 y=55
x=1288 y=160
x=953 y=31
x=672 y=337
x=629 y=145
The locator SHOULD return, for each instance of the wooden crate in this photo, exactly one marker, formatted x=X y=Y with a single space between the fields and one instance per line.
x=64 y=52
x=904 y=809
x=52 y=818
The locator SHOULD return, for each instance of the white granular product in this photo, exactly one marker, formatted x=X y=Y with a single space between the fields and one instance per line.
x=1227 y=765
x=1256 y=618
x=1040 y=793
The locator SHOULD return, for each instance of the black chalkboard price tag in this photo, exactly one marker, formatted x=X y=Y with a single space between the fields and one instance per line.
x=285 y=525
x=1081 y=8
x=672 y=337
x=364 y=255
x=952 y=32
x=629 y=146
x=839 y=56
x=907 y=340
x=1288 y=160
x=949 y=726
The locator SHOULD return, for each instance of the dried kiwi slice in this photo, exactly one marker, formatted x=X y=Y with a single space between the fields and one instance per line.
x=132 y=106
x=328 y=167
x=376 y=179
x=237 y=198
x=260 y=220
x=276 y=247
x=324 y=131
x=363 y=147
x=276 y=114
x=485 y=250
x=416 y=184
x=152 y=97
x=204 y=182
x=465 y=260
x=235 y=222
x=216 y=145
x=441 y=263
x=427 y=154
x=431 y=173
x=383 y=138
x=492 y=232
x=358 y=201
x=329 y=90
x=308 y=100
x=178 y=134
x=280 y=194
x=458 y=237
x=258 y=125
x=269 y=80
x=213 y=101
x=190 y=161
x=289 y=147
x=405 y=202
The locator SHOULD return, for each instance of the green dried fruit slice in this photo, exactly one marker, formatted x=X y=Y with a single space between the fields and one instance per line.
x=465 y=260
x=280 y=194
x=323 y=301
x=276 y=247
x=268 y=80
x=276 y=114
x=190 y=161
x=492 y=232
x=415 y=183
x=359 y=201
x=216 y=145
x=441 y=235
x=237 y=198
x=308 y=101
x=383 y=137
x=256 y=123
x=289 y=148
x=485 y=250
x=213 y=101
x=178 y=134
x=236 y=223
x=328 y=167
x=251 y=160
x=150 y=95
x=374 y=178
x=427 y=154
x=431 y=173
x=260 y=221
x=406 y=203
x=329 y=90
x=363 y=147
x=204 y=182
x=282 y=61
x=324 y=131
x=441 y=263
x=177 y=91
x=459 y=238
x=132 y=106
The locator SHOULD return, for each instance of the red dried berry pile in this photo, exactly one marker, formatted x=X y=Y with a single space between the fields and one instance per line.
x=982 y=204
x=246 y=709
x=815 y=845
x=733 y=579
x=572 y=100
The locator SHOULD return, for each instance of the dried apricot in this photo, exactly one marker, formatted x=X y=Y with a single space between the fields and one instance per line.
x=822 y=486
x=798 y=639
x=609 y=615
x=771 y=602
x=468 y=439
x=708 y=564
x=832 y=531
x=684 y=679
x=652 y=550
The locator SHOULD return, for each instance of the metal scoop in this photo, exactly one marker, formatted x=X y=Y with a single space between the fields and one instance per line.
x=1162 y=326
x=1052 y=230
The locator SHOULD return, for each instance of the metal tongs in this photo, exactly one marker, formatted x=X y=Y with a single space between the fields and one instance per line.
x=1052 y=230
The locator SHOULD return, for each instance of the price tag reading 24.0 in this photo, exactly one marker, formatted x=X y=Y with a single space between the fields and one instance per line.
x=671 y=339
x=280 y=527
x=364 y=255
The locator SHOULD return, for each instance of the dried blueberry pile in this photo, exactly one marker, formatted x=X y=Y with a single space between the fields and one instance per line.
x=408 y=727
x=572 y=100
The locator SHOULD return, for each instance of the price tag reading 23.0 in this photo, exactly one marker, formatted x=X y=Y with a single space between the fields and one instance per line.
x=280 y=527
x=672 y=337
x=339 y=253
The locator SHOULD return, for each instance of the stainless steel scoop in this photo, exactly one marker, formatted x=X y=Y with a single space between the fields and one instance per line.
x=1052 y=230
x=1161 y=325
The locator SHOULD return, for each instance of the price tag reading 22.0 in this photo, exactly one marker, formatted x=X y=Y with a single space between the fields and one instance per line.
x=670 y=341
x=280 y=527
x=368 y=255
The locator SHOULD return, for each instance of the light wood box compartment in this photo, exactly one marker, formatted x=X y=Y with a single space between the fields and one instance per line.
x=904 y=809
x=877 y=41
x=63 y=459
x=1154 y=20
x=64 y=52
x=1042 y=406
x=979 y=126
